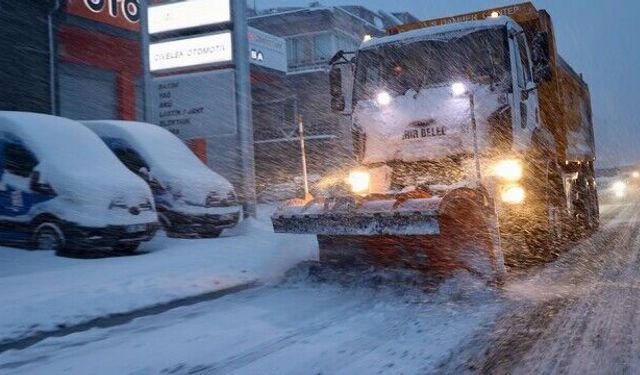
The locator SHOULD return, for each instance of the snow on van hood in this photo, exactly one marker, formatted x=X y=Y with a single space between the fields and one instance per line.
x=429 y=124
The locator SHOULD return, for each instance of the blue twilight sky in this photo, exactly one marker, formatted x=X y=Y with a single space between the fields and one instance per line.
x=598 y=38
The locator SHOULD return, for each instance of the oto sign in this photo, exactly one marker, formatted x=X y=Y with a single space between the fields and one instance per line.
x=188 y=14
x=182 y=53
x=119 y=13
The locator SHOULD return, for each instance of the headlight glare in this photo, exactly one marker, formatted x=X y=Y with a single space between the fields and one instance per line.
x=458 y=88
x=619 y=188
x=513 y=194
x=510 y=170
x=359 y=181
x=383 y=98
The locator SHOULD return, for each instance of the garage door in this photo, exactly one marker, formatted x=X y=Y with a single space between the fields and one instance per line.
x=87 y=93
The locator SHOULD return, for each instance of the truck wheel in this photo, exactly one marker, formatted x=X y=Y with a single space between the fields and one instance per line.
x=48 y=237
x=546 y=239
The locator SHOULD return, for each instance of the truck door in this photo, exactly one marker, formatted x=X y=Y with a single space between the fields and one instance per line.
x=525 y=95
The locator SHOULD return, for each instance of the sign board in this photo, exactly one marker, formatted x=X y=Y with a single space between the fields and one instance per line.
x=182 y=53
x=267 y=50
x=195 y=104
x=519 y=12
x=119 y=13
x=187 y=14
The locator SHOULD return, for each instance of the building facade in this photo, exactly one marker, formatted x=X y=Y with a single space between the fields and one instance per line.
x=313 y=36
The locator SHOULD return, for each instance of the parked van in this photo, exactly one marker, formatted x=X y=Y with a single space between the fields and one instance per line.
x=191 y=199
x=62 y=189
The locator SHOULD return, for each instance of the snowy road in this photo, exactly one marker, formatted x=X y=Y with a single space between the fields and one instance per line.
x=576 y=315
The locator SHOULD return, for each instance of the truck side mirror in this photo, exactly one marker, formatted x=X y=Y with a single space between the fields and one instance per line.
x=541 y=58
x=335 y=87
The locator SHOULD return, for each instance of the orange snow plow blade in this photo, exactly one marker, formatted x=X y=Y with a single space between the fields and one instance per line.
x=456 y=231
x=356 y=216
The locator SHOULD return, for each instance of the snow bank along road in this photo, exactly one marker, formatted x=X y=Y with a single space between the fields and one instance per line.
x=576 y=315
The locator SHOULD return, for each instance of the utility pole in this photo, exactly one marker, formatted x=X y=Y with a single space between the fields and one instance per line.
x=307 y=195
x=243 y=103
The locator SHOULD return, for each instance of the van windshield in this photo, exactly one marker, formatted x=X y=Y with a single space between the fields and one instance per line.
x=162 y=150
x=480 y=56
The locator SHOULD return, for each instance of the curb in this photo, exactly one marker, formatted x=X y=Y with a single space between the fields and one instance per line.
x=117 y=319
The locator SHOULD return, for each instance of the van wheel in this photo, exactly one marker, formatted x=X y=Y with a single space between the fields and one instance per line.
x=47 y=238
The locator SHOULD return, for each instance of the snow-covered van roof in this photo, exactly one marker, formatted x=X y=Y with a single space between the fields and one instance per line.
x=78 y=165
x=61 y=142
x=439 y=32
x=168 y=157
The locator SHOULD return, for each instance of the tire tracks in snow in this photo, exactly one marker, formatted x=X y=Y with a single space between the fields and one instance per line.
x=566 y=317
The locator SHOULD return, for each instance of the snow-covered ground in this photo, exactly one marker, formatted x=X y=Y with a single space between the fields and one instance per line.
x=295 y=327
x=575 y=315
x=41 y=292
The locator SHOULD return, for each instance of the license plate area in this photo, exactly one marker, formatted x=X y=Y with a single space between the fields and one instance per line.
x=136 y=228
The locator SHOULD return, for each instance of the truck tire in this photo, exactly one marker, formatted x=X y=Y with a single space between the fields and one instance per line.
x=550 y=236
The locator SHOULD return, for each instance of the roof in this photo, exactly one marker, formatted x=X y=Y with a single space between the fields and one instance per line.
x=279 y=12
x=435 y=31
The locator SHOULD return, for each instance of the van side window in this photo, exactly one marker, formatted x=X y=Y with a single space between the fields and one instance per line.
x=18 y=160
x=130 y=158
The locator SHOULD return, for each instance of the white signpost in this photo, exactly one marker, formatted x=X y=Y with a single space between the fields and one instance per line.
x=197 y=82
x=188 y=14
x=190 y=52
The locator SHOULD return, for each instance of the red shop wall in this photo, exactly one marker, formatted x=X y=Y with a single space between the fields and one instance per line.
x=98 y=50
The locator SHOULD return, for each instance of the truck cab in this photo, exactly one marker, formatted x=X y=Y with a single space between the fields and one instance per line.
x=426 y=101
x=467 y=130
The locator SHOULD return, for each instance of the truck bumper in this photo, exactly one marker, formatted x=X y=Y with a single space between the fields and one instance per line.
x=357 y=216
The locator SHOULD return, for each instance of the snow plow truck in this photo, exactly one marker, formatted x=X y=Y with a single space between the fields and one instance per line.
x=473 y=143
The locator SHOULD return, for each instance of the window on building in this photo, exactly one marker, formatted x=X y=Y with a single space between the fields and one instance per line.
x=315 y=49
x=322 y=47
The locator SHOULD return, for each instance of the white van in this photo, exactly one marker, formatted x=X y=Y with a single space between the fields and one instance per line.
x=61 y=188
x=191 y=199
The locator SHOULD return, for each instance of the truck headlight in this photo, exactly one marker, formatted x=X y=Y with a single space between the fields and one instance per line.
x=513 y=194
x=510 y=170
x=383 y=98
x=359 y=181
x=458 y=88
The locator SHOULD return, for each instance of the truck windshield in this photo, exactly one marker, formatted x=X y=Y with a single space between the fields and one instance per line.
x=480 y=56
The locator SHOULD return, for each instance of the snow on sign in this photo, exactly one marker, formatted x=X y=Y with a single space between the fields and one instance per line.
x=187 y=14
x=182 y=53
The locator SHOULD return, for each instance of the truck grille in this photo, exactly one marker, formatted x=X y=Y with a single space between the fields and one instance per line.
x=439 y=172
